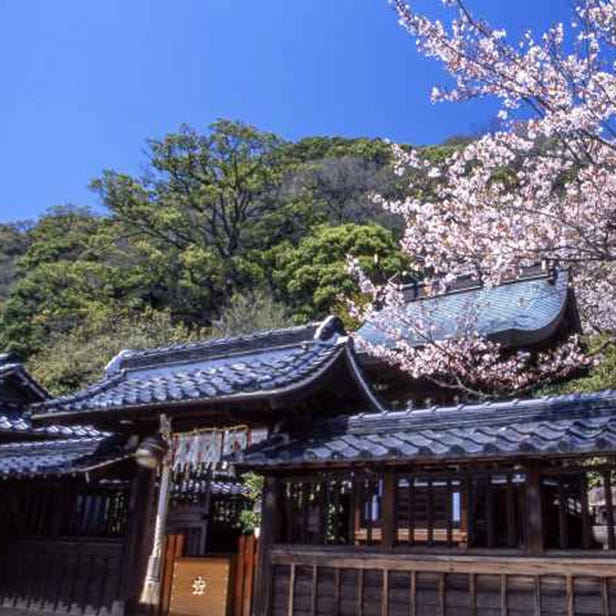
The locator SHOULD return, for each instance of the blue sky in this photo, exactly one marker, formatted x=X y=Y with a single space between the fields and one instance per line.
x=84 y=84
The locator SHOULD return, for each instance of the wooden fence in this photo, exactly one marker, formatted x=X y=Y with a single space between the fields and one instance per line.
x=72 y=576
x=311 y=583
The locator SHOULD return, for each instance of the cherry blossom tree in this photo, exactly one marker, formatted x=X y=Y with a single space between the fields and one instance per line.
x=540 y=188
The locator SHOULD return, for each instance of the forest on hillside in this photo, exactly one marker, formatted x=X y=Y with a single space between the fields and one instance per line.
x=226 y=231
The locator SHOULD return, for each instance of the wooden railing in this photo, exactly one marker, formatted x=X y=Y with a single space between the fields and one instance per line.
x=356 y=582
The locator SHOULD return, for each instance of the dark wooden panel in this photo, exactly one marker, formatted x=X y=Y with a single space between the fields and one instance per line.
x=56 y=576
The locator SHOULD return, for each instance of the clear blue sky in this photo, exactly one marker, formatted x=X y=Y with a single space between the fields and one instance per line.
x=84 y=83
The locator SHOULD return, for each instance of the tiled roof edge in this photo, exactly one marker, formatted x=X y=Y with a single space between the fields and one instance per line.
x=131 y=359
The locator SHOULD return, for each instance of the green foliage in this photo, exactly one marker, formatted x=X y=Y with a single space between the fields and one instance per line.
x=71 y=360
x=250 y=312
x=13 y=244
x=312 y=276
x=225 y=232
x=600 y=377
x=250 y=518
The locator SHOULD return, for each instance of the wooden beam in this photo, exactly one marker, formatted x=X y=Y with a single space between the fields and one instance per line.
x=609 y=507
x=534 y=512
x=388 y=511
x=270 y=528
x=591 y=566
x=140 y=511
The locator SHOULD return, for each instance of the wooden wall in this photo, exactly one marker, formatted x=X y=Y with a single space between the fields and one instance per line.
x=317 y=584
x=76 y=576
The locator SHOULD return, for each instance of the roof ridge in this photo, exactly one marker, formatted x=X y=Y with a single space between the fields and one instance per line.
x=439 y=415
x=132 y=359
x=467 y=283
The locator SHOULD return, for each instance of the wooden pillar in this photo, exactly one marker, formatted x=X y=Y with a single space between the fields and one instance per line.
x=139 y=537
x=534 y=512
x=388 y=513
x=270 y=528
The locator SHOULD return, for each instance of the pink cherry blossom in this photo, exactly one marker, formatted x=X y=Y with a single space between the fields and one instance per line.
x=542 y=187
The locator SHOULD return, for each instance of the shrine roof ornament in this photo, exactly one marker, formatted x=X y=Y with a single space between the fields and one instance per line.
x=523 y=311
x=256 y=365
x=560 y=425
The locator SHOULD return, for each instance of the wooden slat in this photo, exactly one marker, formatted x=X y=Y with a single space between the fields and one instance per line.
x=563 y=535
x=249 y=570
x=609 y=506
x=472 y=591
x=510 y=511
x=586 y=521
x=413 y=594
x=570 y=596
x=385 y=594
x=534 y=512
x=238 y=593
x=449 y=512
x=368 y=510
x=305 y=495
x=353 y=521
x=470 y=518
x=313 y=591
x=430 y=504
x=605 y=598
x=336 y=590
x=291 y=603
x=537 y=595
x=360 y=593
x=411 y=516
x=335 y=510
x=388 y=512
x=489 y=493
x=441 y=593
x=503 y=595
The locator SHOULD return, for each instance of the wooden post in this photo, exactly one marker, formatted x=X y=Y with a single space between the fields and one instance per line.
x=534 y=512
x=270 y=526
x=140 y=507
x=388 y=517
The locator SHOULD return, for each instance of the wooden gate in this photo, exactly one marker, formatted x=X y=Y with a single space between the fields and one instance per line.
x=217 y=585
x=244 y=577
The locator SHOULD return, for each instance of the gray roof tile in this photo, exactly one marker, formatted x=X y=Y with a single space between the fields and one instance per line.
x=14 y=421
x=262 y=362
x=523 y=311
x=59 y=457
x=578 y=424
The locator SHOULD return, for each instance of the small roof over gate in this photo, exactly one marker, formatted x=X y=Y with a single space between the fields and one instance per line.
x=578 y=424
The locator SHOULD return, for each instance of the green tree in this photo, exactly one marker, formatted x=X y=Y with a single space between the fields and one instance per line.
x=208 y=203
x=312 y=276
x=78 y=357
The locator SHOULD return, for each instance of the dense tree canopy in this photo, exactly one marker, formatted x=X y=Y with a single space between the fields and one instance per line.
x=225 y=231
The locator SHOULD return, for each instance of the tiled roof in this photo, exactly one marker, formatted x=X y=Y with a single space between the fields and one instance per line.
x=259 y=364
x=58 y=456
x=578 y=424
x=220 y=485
x=32 y=390
x=14 y=421
x=520 y=312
